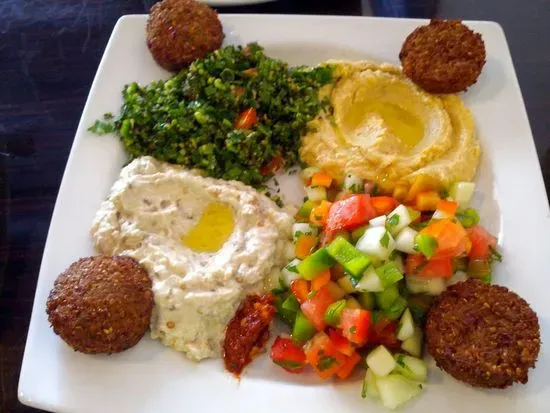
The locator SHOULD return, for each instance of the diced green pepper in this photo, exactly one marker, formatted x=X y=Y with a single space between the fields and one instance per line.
x=291 y=304
x=306 y=208
x=386 y=298
x=468 y=218
x=396 y=309
x=353 y=260
x=333 y=313
x=367 y=300
x=315 y=263
x=426 y=244
x=358 y=233
x=287 y=316
x=389 y=274
x=303 y=330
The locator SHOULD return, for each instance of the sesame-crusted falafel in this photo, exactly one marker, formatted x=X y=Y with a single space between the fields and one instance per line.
x=444 y=56
x=484 y=335
x=101 y=304
x=181 y=31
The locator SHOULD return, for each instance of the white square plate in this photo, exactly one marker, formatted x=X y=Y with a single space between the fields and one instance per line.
x=153 y=378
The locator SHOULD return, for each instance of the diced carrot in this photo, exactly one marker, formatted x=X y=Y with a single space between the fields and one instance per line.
x=348 y=366
x=300 y=289
x=427 y=201
x=321 y=280
x=319 y=214
x=449 y=207
x=304 y=246
x=321 y=179
x=383 y=204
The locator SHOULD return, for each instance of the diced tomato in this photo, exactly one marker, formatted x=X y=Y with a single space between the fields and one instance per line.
x=482 y=242
x=314 y=308
x=383 y=204
x=418 y=265
x=355 y=324
x=323 y=356
x=300 y=289
x=343 y=345
x=320 y=213
x=350 y=213
x=276 y=163
x=288 y=355
x=385 y=332
x=322 y=279
x=348 y=366
x=448 y=207
x=452 y=240
x=246 y=119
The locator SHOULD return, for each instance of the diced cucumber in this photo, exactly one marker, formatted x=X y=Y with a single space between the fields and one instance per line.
x=354 y=261
x=308 y=172
x=398 y=260
x=414 y=344
x=398 y=219
x=406 y=327
x=462 y=192
x=396 y=309
x=291 y=304
x=369 y=282
x=290 y=272
x=378 y=221
x=405 y=240
x=306 y=208
x=431 y=286
x=369 y=386
x=357 y=233
x=457 y=277
x=353 y=183
x=395 y=390
x=367 y=300
x=411 y=367
x=303 y=330
x=381 y=361
x=315 y=263
x=376 y=241
x=317 y=193
x=389 y=274
x=353 y=303
x=287 y=316
x=346 y=284
x=386 y=298
x=302 y=228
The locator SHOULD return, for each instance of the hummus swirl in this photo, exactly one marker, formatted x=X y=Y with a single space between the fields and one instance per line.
x=384 y=128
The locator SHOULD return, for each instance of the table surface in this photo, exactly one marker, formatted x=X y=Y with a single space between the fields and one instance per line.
x=49 y=52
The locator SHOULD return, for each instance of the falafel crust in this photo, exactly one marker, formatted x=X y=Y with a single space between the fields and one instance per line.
x=181 y=31
x=444 y=56
x=101 y=304
x=484 y=335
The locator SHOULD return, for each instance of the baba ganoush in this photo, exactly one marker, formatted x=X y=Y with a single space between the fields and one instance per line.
x=385 y=129
x=206 y=244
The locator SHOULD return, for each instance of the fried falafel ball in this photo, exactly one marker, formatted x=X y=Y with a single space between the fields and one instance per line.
x=101 y=304
x=484 y=335
x=444 y=56
x=181 y=31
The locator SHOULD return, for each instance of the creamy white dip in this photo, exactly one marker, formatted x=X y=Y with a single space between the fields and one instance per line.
x=151 y=210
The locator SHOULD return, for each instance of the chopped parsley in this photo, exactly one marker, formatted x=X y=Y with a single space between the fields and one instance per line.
x=393 y=221
x=495 y=255
x=311 y=294
x=288 y=364
x=385 y=240
x=352 y=329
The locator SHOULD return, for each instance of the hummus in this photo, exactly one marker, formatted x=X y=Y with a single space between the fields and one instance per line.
x=206 y=244
x=385 y=128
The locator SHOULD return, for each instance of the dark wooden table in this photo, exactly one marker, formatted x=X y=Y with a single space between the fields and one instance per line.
x=49 y=52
